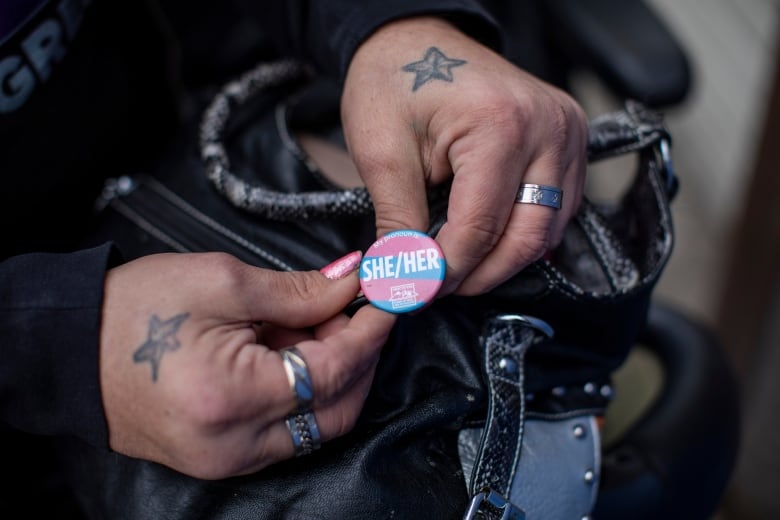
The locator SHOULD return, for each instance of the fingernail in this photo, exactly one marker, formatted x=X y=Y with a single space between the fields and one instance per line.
x=343 y=266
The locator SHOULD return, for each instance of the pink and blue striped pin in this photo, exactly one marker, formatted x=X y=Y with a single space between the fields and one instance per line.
x=402 y=271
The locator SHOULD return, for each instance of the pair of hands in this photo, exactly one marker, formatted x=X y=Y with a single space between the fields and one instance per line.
x=210 y=394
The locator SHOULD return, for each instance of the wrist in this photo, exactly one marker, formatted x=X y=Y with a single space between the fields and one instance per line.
x=381 y=57
x=400 y=37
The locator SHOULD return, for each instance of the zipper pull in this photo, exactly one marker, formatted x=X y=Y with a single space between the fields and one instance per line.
x=113 y=188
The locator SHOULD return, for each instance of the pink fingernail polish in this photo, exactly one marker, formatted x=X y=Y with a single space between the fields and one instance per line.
x=343 y=266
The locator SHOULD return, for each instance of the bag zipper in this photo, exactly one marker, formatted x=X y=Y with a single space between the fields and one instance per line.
x=155 y=209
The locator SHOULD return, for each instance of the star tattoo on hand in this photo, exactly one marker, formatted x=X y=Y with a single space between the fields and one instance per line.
x=161 y=339
x=435 y=65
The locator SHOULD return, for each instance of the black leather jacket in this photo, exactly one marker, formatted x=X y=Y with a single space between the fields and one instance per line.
x=93 y=91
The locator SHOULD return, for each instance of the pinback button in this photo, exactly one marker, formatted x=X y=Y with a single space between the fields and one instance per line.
x=402 y=271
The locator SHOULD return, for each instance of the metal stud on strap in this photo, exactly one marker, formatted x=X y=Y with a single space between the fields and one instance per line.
x=489 y=505
x=506 y=338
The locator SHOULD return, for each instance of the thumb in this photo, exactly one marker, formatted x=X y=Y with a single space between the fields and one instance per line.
x=300 y=298
x=398 y=192
x=387 y=155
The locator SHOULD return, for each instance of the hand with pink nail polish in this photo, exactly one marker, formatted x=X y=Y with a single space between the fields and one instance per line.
x=198 y=384
x=343 y=266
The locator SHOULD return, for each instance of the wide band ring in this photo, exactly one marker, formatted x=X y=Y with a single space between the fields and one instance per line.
x=540 y=194
x=298 y=377
x=304 y=432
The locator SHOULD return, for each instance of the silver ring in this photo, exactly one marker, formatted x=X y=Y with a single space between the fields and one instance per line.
x=304 y=432
x=298 y=377
x=540 y=194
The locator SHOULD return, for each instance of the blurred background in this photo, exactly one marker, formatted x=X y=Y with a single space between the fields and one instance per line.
x=725 y=266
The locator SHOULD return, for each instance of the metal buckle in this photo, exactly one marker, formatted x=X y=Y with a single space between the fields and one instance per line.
x=666 y=157
x=529 y=321
x=488 y=504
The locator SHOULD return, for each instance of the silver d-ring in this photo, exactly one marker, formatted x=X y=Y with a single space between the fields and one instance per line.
x=540 y=194
x=530 y=321
x=298 y=377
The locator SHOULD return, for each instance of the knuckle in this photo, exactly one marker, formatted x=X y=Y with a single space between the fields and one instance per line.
x=202 y=416
x=376 y=157
x=560 y=129
x=504 y=115
x=492 y=108
x=301 y=292
x=302 y=287
x=531 y=246
x=391 y=215
x=345 y=421
x=225 y=271
x=336 y=376
x=298 y=288
x=342 y=419
x=207 y=407
x=569 y=123
x=343 y=391
x=210 y=468
x=484 y=232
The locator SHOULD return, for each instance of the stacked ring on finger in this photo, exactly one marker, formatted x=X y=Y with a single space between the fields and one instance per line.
x=540 y=194
x=302 y=424
x=304 y=432
x=298 y=377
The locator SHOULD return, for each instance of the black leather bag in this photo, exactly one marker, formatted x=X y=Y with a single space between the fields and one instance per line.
x=482 y=364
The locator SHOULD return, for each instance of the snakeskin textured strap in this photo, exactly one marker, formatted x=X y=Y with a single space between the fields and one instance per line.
x=254 y=198
x=506 y=340
x=632 y=129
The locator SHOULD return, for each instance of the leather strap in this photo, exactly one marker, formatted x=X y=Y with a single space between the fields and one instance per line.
x=506 y=340
x=505 y=345
x=511 y=473
x=633 y=129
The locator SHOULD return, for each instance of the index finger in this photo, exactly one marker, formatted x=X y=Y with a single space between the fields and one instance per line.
x=484 y=186
x=336 y=362
x=394 y=176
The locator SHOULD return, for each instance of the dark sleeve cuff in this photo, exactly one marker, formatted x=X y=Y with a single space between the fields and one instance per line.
x=50 y=311
x=336 y=29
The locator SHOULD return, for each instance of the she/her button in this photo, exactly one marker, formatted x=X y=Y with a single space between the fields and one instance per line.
x=402 y=271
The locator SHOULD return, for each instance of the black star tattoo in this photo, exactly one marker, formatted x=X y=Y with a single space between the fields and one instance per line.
x=435 y=65
x=161 y=339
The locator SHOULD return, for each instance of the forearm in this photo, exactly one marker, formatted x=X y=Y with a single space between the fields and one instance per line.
x=50 y=309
